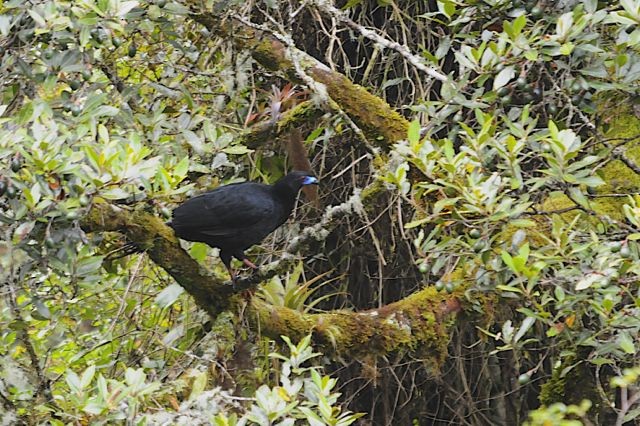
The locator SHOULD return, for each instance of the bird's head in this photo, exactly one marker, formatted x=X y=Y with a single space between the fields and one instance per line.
x=309 y=180
x=300 y=178
x=296 y=180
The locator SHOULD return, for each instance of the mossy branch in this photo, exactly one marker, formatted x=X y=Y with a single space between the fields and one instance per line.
x=267 y=134
x=418 y=323
x=380 y=123
x=158 y=240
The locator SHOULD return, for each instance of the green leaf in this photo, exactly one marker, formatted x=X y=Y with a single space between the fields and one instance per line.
x=101 y=385
x=552 y=332
x=508 y=260
x=504 y=77
x=531 y=55
x=587 y=281
x=566 y=48
x=524 y=327
x=94 y=406
x=169 y=295
x=41 y=309
x=87 y=376
x=633 y=414
x=591 y=181
x=415 y=223
x=601 y=361
x=578 y=197
x=135 y=377
x=508 y=288
x=89 y=265
x=22 y=231
x=447 y=7
x=199 y=385
x=632 y=8
x=626 y=344
x=181 y=169
x=523 y=252
x=237 y=150
x=126 y=7
x=553 y=129
x=413 y=134
x=559 y=293
x=518 y=24
x=199 y=251
x=38 y=19
x=590 y=6
x=73 y=381
x=115 y=194
x=442 y=204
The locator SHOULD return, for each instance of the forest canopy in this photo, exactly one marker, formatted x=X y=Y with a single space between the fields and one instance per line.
x=469 y=257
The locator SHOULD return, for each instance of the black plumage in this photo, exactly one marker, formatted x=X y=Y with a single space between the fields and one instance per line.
x=234 y=217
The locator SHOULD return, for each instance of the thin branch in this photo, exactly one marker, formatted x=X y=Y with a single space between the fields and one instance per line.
x=43 y=390
x=341 y=16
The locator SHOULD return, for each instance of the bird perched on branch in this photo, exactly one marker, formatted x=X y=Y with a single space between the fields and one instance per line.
x=234 y=217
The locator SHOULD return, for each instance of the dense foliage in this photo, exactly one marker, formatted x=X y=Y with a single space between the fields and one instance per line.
x=516 y=191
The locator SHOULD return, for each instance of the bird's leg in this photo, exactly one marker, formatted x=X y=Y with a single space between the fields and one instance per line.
x=245 y=260
x=232 y=273
x=248 y=293
x=249 y=263
x=226 y=259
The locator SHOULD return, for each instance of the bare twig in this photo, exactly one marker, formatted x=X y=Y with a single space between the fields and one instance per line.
x=328 y=8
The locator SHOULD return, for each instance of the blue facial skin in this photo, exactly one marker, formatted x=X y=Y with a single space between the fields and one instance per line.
x=310 y=180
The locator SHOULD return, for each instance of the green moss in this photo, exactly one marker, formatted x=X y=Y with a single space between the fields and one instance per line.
x=298 y=115
x=558 y=201
x=430 y=336
x=611 y=207
x=380 y=123
x=618 y=178
x=270 y=54
x=553 y=389
x=574 y=381
x=535 y=235
x=418 y=324
x=621 y=123
x=371 y=196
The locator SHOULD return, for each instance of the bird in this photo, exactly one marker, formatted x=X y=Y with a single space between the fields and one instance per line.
x=237 y=216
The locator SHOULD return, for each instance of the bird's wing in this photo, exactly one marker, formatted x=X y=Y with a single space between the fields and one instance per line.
x=225 y=211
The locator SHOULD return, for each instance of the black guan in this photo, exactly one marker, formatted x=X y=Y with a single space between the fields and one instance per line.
x=234 y=217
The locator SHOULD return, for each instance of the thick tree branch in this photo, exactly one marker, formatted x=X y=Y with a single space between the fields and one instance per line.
x=417 y=323
x=150 y=234
x=380 y=123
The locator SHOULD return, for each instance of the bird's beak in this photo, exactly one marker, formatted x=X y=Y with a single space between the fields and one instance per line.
x=310 y=180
